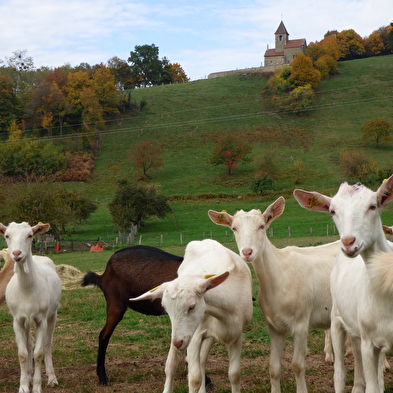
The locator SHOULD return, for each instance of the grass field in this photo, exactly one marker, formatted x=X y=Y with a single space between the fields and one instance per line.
x=138 y=349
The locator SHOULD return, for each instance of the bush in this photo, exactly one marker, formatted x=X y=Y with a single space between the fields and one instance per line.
x=357 y=165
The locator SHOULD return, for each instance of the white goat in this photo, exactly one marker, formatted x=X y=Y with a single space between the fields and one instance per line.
x=33 y=297
x=199 y=315
x=5 y=274
x=360 y=308
x=294 y=285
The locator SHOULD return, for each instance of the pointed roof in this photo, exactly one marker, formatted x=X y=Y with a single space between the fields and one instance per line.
x=281 y=29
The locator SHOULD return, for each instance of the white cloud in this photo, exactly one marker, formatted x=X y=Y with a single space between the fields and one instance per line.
x=203 y=37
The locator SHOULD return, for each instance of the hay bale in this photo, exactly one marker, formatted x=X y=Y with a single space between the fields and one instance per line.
x=68 y=274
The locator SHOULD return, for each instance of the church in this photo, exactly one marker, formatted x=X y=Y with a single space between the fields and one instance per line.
x=285 y=50
x=283 y=54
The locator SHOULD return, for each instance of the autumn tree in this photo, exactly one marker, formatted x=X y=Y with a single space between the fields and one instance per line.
x=93 y=95
x=146 y=156
x=373 y=44
x=326 y=65
x=377 y=130
x=230 y=149
x=357 y=165
x=92 y=110
x=303 y=73
x=285 y=92
x=121 y=71
x=172 y=73
x=324 y=55
x=10 y=106
x=351 y=44
x=104 y=86
x=386 y=34
x=49 y=105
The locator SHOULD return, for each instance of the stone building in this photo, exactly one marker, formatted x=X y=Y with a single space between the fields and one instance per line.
x=285 y=50
x=283 y=54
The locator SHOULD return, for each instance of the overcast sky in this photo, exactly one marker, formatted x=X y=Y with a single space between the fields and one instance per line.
x=203 y=36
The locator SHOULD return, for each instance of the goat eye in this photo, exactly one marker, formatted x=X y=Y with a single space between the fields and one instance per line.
x=234 y=229
x=262 y=227
x=191 y=307
x=373 y=207
x=332 y=212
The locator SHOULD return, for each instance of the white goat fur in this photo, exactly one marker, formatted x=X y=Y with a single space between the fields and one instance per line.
x=294 y=285
x=362 y=303
x=5 y=274
x=33 y=297
x=199 y=314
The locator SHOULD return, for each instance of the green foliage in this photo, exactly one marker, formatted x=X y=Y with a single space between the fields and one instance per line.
x=148 y=70
x=146 y=67
x=377 y=130
x=261 y=184
x=134 y=202
x=26 y=157
x=300 y=99
x=50 y=203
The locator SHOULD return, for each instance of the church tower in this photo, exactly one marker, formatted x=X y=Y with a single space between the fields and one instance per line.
x=281 y=37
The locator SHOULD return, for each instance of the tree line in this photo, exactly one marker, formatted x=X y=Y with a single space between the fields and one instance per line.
x=291 y=89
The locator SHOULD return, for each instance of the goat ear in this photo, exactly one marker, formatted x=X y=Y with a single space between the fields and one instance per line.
x=385 y=192
x=221 y=218
x=387 y=230
x=312 y=200
x=274 y=210
x=155 y=293
x=3 y=228
x=213 y=281
x=40 y=228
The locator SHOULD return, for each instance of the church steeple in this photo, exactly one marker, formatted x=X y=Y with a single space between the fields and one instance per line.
x=281 y=37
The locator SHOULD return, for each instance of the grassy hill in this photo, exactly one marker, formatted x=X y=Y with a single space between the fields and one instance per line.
x=183 y=119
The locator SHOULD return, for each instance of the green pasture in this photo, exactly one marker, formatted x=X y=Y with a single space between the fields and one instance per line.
x=184 y=118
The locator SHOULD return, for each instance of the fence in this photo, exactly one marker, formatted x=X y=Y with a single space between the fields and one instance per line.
x=225 y=236
x=45 y=245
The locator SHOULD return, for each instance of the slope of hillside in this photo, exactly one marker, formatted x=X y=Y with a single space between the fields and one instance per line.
x=184 y=118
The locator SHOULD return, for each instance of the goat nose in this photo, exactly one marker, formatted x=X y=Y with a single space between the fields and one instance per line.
x=348 y=241
x=247 y=252
x=16 y=253
x=178 y=343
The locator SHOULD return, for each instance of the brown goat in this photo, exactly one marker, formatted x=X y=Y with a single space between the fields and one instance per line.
x=5 y=274
x=130 y=272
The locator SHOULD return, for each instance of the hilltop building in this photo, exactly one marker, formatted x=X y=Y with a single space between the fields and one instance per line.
x=284 y=52
x=285 y=49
